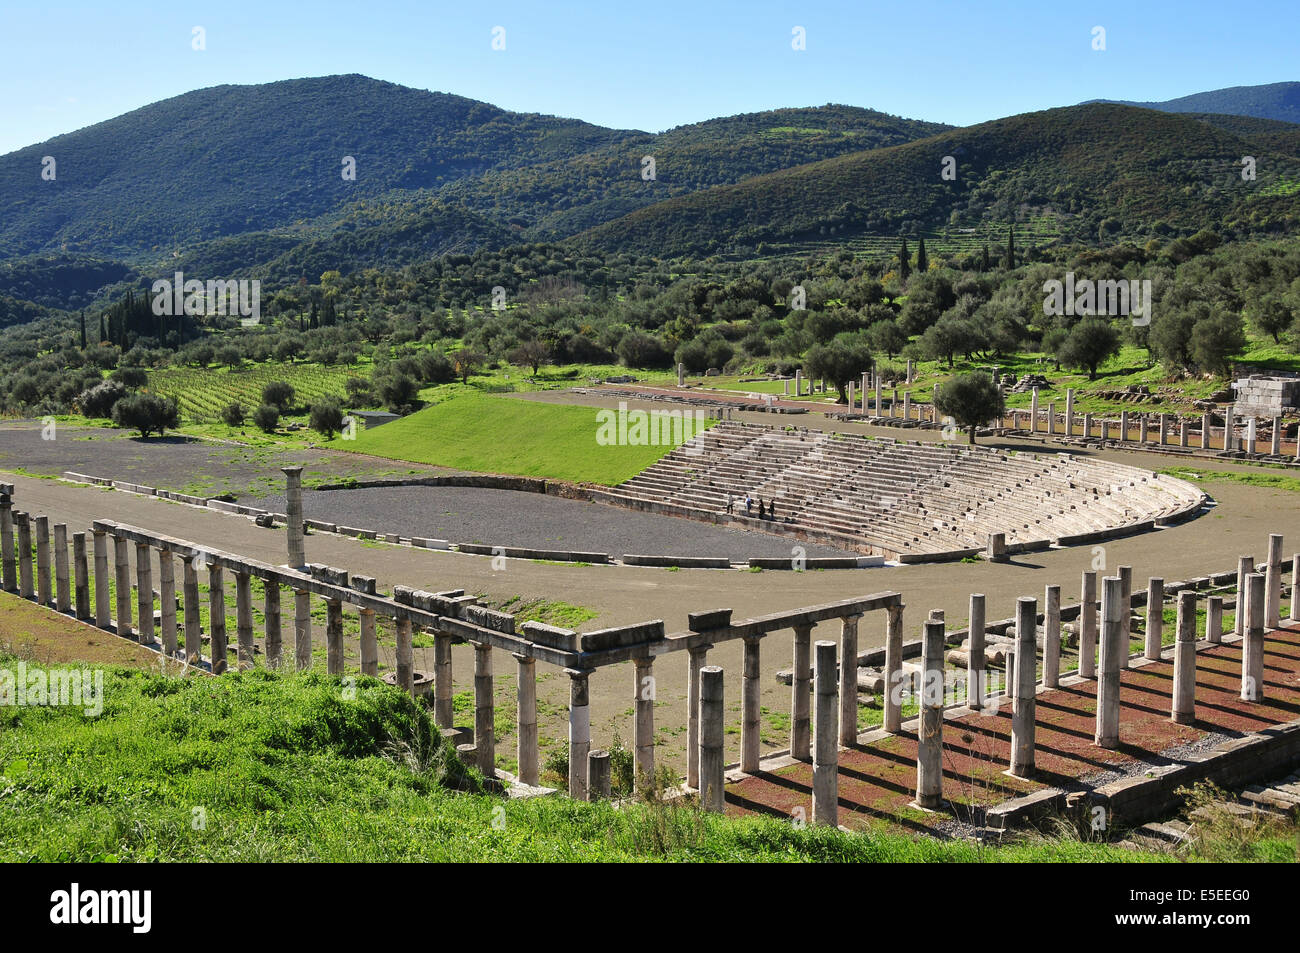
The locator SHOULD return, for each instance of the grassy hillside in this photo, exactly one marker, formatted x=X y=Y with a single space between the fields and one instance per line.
x=1101 y=170
x=261 y=767
x=506 y=435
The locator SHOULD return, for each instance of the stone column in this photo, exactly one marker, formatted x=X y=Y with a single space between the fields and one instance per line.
x=167 y=599
x=1022 y=719
x=484 y=709
x=1252 y=647
x=1112 y=639
x=580 y=731
x=369 y=643
x=1275 y=444
x=334 y=636
x=1142 y=429
x=1126 y=617
x=8 y=559
x=44 y=586
x=598 y=774
x=81 y=576
x=1069 y=411
x=893 y=717
x=271 y=612
x=405 y=661
x=1155 y=619
x=1052 y=637
x=302 y=629
x=293 y=510
x=26 y=588
x=798 y=382
x=643 y=723
x=801 y=690
x=190 y=595
x=849 y=679
x=1245 y=566
x=929 y=736
x=851 y=396
x=526 y=718
x=1214 y=619
x=907 y=405
x=1273 y=584
x=1088 y=626
x=893 y=404
x=1123 y=426
x=712 y=783
x=1033 y=411
x=785 y=384
x=1251 y=435
x=696 y=659
x=244 y=651
x=102 y=611
x=1205 y=431
x=909 y=370
x=681 y=374
x=865 y=381
x=443 y=714
x=1164 y=429
x=1295 y=588
x=750 y=705
x=826 y=756
x=1184 y=702
x=62 y=588
x=1182 y=432
x=997 y=548
x=217 y=618
x=1087 y=425
x=1229 y=436
x=975 y=671
x=878 y=396
x=122 y=570
x=1051 y=417
x=144 y=593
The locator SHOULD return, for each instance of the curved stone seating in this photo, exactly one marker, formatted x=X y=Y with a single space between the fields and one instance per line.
x=904 y=498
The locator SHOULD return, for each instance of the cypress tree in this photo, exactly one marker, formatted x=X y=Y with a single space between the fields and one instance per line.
x=82 y=315
x=1011 y=247
x=904 y=260
x=984 y=262
x=922 y=262
x=103 y=332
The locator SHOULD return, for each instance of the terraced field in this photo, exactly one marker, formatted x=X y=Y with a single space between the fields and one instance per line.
x=202 y=392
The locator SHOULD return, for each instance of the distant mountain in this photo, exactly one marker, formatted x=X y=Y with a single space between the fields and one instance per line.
x=1279 y=101
x=1103 y=171
x=234 y=159
x=259 y=169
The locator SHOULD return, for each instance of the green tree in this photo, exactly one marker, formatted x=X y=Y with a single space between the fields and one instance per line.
x=838 y=363
x=1271 y=314
x=280 y=394
x=147 y=413
x=1089 y=344
x=327 y=417
x=1010 y=260
x=904 y=260
x=922 y=260
x=972 y=400
x=267 y=418
x=233 y=414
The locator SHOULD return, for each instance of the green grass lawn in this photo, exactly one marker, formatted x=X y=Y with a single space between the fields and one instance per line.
x=491 y=434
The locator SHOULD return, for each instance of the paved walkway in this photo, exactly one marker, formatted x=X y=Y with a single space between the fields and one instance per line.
x=877 y=777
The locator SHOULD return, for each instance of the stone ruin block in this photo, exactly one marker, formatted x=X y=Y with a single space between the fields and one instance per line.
x=704 y=621
x=552 y=636
x=490 y=619
x=623 y=636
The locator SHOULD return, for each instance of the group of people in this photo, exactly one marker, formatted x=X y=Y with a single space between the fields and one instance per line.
x=766 y=511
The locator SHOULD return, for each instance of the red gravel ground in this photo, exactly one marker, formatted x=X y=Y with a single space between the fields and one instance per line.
x=877 y=780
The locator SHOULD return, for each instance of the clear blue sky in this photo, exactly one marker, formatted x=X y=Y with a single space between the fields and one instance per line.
x=643 y=65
